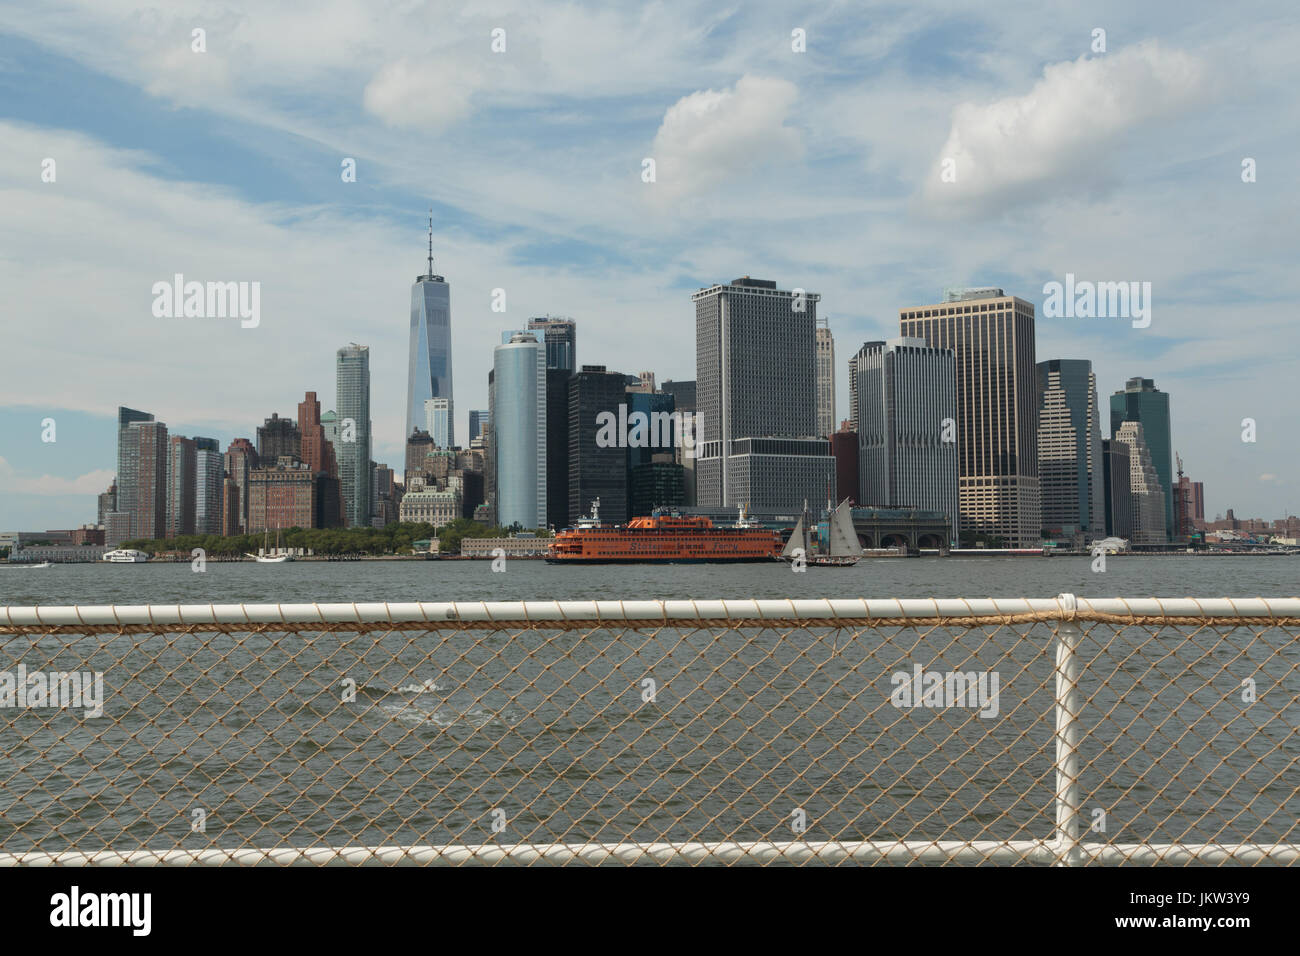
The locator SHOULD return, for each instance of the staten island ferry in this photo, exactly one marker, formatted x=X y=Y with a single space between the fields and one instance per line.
x=663 y=538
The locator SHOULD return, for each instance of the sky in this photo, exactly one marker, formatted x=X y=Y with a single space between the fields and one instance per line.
x=873 y=153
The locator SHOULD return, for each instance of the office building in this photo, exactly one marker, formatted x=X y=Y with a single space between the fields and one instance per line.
x=992 y=336
x=1069 y=451
x=656 y=483
x=596 y=469
x=844 y=449
x=438 y=413
x=825 y=379
x=107 y=504
x=756 y=382
x=1118 y=487
x=127 y=476
x=278 y=438
x=428 y=372
x=478 y=418
x=353 y=448
x=1144 y=483
x=209 y=475
x=241 y=459
x=907 y=411
x=518 y=409
x=181 y=465
x=1140 y=401
x=149 y=474
x=561 y=339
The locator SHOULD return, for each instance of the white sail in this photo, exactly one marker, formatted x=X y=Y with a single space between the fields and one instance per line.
x=795 y=542
x=844 y=539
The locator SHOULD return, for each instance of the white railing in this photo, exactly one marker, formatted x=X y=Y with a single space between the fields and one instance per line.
x=750 y=731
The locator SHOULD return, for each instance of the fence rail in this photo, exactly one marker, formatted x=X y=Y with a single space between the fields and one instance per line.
x=1056 y=731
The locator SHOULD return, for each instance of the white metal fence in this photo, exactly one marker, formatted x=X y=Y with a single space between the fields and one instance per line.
x=1056 y=731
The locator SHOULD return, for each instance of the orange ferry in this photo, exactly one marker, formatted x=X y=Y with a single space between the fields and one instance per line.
x=663 y=538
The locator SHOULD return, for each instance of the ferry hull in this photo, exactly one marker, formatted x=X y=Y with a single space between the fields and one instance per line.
x=755 y=559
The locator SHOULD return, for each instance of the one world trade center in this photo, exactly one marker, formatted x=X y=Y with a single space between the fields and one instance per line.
x=429 y=369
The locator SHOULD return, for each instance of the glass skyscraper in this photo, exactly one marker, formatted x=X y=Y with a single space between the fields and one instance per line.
x=429 y=355
x=353 y=448
x=1142 y=402
x=519 y=430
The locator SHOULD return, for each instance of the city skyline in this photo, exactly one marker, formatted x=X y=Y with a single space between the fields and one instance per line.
x=547 y=204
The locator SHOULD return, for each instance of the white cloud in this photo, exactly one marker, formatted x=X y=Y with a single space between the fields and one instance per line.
x=420 y=93
x=1058 y=135
x=91 y=483
x=711 y=137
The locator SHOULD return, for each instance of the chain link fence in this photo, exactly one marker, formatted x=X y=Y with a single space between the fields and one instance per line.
x=841 y=731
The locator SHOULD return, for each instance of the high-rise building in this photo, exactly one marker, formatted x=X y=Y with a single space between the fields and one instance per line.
x=596 y=469
x=1141 y=401
x=278 y=438
x=561 y=338
x=825 y=379
x=683 y=394
x=232 y=514
x=385 y=495
x=353 y=448
x=107 y=504
x=149 y=473
x=992 y=335
x=241 y=459
x=428 y=372
x=127 y=475
x=907 y=411
x=518 y=407
x=418 y=444
x=756 y=397
x=438 y=413
x=316 y=451
x=844 y=448
x=283 y=496
x=1144 y=482
x=1069 y=451
x=478 y=418
x=181 y=464
x=490 y=456
x=557 y=445
x=853 y=391
x=1117 y=477
x=209 y=473
x=653 y=484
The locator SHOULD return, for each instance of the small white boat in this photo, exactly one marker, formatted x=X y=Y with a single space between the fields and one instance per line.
x=279 y=556
x=125 y=556
x=24 y=564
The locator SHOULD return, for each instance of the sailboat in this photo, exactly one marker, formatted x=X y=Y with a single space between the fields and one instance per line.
x=797 y=545
x=266 y=557
x=843 y=549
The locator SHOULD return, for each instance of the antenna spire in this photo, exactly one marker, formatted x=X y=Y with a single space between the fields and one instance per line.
x=430 y=240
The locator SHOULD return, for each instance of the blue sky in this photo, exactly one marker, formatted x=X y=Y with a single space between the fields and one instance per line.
x=820 y=169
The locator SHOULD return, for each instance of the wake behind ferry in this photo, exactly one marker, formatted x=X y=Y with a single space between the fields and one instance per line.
x=663 y=538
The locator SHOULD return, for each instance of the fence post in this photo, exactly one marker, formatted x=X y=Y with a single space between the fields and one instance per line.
x=1066 y=839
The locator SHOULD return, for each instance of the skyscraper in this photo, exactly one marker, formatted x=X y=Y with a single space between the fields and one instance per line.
x=149 y=470
x=756 y=395
x=428 y=373
x=181 y=463
x=127 y=469
x=438 y=413
x=241 y=460
x=1141 y=401
x=353 y=449
x=318 y=455
x=478 y=418
x=209 y=474
x=1069 y=450
x=278 y=437
x=1117 y=478
x=992 y=335
x=518 y=402
x=907 y=390
x=1144 y=483
x=561 y=337
x=825 y=379
x=596 y=471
